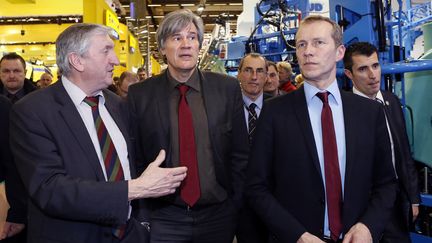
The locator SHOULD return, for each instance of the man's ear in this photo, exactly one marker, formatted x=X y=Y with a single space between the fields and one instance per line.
x=348 y=73
x=76 y=61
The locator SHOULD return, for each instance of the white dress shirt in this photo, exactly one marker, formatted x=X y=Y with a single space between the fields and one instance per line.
x=77 y=96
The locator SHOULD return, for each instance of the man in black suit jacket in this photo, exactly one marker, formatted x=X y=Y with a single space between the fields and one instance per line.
x=13 y=83
x=57 y=152
x=252 y=74
x=15 y=194
x=287 y=170
x=363 y=68
x=215 y=109
x=14 y=86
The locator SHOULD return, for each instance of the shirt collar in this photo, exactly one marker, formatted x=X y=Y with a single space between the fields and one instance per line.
x=378 y=95
x=193 y=81
x=76 y=94
x=258 y=102
x=19 y=94
x=333 y=89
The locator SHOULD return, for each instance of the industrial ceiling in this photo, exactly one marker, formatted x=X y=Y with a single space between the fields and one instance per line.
x=144 y=16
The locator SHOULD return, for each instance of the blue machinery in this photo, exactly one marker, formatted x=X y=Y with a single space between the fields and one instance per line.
x=394 y=33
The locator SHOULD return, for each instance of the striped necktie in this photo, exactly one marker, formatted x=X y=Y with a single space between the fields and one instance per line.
x=252 y=118
x=114 y=170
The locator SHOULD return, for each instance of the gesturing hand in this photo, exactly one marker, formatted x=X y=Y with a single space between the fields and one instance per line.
x=156 y=181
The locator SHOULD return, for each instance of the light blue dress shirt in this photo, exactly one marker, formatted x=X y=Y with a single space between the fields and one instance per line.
x=315 y=105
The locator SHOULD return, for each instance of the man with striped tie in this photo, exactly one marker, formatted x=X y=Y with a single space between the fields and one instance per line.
x=252 y=74
x=73 y=150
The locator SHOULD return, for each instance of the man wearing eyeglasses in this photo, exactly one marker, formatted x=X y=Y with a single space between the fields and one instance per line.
x=252 y=74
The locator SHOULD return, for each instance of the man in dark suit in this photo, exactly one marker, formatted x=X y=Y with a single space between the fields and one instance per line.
x=13 y=84
x=363 y=68
x=73 y=152
x=252 y=74
x=320 y=167
x=15 y=193
x=184 y=106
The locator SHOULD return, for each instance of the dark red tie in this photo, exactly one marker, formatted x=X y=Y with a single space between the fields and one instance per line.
x=331 y=169
x=190 y=190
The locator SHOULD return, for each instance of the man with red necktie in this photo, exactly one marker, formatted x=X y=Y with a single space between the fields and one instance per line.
x=198 y=118
x=320 y=168
x=73 y=151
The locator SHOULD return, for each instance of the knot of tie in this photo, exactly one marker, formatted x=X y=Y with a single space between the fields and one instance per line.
x=323 y=96
x=183 y=89
x=92 y=101
x=252 y=106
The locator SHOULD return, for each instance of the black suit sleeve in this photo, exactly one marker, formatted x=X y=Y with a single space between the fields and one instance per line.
x=407 y=172
x=383 y=191
x=240 y=148
x=44 y=160
x=15 y=191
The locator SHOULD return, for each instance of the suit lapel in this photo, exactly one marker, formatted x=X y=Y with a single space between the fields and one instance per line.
x=163 y=102
x=162 y=92
x=302 y=114
x=73 y=120
x=350 y=121
x=116 y=114
x=210 y=99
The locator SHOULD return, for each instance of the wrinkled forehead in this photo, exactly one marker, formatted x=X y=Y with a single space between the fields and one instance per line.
x=187 y=27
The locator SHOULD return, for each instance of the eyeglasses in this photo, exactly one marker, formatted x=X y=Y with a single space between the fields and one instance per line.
x=258 y=71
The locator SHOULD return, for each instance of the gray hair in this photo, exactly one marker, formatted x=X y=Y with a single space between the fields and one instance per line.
x=76 y=39
x=174 y=22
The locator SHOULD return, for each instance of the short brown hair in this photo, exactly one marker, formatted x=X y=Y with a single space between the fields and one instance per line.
x=253 y=55
x=336 y=33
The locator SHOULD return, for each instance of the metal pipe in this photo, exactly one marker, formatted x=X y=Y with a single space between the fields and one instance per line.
x=401 y=67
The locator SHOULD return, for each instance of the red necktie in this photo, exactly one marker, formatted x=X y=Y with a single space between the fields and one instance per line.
x=114 y=170
x=331 y=169
x=190 y=190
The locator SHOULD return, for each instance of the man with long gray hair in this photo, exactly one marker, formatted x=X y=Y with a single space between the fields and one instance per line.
x=198 y=118
x=72 y=150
